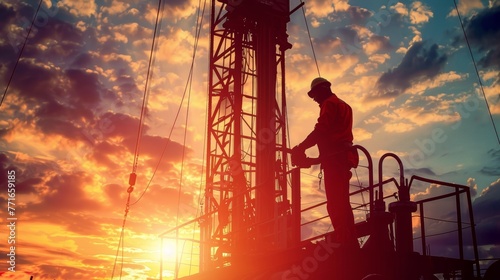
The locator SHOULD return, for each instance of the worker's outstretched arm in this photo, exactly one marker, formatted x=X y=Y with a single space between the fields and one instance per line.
x=311 y=140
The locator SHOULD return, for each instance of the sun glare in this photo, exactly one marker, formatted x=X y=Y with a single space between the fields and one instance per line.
x=179 y=257
x=169 y=250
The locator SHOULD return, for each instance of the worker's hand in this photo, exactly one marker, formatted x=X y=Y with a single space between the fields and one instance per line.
x=298 y=150
x=299 y=158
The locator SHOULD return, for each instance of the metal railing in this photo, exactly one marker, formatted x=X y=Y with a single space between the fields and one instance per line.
x=457 y=190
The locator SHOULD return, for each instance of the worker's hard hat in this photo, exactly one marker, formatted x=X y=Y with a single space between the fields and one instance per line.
x=319 y=81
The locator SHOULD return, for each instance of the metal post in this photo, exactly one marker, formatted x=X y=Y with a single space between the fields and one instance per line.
x=402 y=210
x=459 y=224
x=206 y=224
x=473 y=231
x=296 y=211
x=239 y=180
x=422 y=230
x=265 y=52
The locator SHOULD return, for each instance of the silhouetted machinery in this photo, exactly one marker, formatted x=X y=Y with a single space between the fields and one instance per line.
x=251 y=224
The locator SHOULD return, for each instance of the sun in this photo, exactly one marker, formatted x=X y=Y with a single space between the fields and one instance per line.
x=179 y=257
x=169 y=250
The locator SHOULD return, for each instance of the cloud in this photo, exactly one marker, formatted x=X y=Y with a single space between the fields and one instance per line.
x=132 y=32
x=400 y=8
x=104 y=154
x=175 y=10
x=486 y=214
x=483 y=31
x=471 y=183
x=358 y=15
x=29 y=171
x=417 y=111
x=35 y=77
x=166 y=201
x=61 y=102
x=83 y=61
x=347 y=36
x=51 y=195
x=175 y=41
x=465 y=7
x=361 y=134
x=116 y=7
x=85 y=87
x=377 y=44
x=65 y=193
x=322 y=8
x=419 y=13
x=423 y=172
x=67 y=272
x=79 y=7
x=379 y=58
x=419 y=63
x=492 y=161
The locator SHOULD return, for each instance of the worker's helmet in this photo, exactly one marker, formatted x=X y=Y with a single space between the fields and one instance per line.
x=318 y=82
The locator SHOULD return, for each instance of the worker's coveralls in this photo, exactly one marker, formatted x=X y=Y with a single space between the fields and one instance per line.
x=333 y=135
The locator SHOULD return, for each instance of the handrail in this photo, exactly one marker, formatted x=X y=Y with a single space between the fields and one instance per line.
x=370 y=173
x=401 y=172
x=354 y=193
x=369 y=188
x=187 y=223
x=433 y=181
x=459 y=189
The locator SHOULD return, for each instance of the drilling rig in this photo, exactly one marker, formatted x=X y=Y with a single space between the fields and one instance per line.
x=247 y=131
x=250 y=227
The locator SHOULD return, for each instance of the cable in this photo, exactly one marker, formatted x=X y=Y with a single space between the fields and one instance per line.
x=20 y=53
x=173 y=124
x=187 y=87
x=138 y=142
x=310 y=39
x=439 y=220
x=477 y=72
x=441 y=233
x=146 y=93
x=120 y=242
x=177 y=266
x=204 y=146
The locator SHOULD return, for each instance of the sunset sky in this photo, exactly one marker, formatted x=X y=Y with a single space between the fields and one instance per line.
x=69 y=119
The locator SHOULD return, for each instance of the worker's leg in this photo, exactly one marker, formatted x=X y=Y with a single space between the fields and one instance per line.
x=337 y=176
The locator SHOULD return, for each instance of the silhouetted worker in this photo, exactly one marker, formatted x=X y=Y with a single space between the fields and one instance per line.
x=333 y=136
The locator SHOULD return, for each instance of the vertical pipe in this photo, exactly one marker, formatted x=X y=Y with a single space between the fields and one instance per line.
x=284 y=128
x=296 y=211
x=239 y=182
x=422 y=229
x=205 y=226
x=459 y=224
x=473 y=231
x=403 y=224
x=266 y=128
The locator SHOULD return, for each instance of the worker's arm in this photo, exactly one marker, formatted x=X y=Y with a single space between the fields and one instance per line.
x=321 y=129
x=311 y=140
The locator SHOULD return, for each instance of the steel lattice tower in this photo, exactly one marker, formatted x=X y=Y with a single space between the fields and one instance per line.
x=246 y=200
